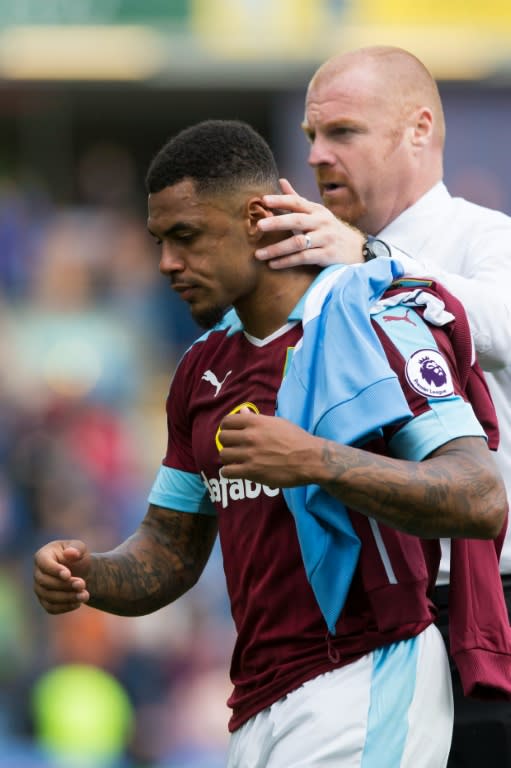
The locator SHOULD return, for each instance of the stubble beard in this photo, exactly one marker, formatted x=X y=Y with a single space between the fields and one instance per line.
x=349 y=208
x=209 y=317
x=351 y=212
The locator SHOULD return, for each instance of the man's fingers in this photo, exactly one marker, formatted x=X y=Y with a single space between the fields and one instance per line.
x=52 y=568
x=47 y=580
x=58 y=558
x=47 y=585
x=56 y=608
x=233 y=471
x=234 y=430
x=238 y=420
x=286 y=187
x=59 y=597
x=229 y=455
x=231 y=438
x=293 y=260
x=295 y=244
x=72 y=553
x=287 y=222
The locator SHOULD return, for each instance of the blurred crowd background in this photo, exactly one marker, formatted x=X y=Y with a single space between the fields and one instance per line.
x=90 y=333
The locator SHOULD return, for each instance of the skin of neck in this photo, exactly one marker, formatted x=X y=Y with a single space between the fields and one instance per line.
x=266 y=308
x=373 y=224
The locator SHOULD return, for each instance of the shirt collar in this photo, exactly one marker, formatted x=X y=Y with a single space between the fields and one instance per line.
x=411 y=229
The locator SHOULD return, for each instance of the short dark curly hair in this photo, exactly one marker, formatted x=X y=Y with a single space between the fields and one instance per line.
x=218 y=156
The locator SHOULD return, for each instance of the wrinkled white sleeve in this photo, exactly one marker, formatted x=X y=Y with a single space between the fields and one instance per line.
x=485 y=292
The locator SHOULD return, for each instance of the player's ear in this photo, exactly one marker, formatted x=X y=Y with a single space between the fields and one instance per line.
x=255 y=210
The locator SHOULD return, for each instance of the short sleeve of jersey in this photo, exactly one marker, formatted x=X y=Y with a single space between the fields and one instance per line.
x=423 y=358
x=178 y=485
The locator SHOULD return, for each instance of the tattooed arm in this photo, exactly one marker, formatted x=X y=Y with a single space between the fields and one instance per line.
x=157 y=564
x=456 y=492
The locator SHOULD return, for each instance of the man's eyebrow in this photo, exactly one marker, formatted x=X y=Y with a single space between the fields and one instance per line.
x=174 y=229
x=338 y=123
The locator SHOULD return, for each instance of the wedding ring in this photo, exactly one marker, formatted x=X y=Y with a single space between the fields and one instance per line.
x=308 y=242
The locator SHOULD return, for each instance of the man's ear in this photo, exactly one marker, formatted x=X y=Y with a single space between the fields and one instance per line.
x=255 y=210
x=422 y=127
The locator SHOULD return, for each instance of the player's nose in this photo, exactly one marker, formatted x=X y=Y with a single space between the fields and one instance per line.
x=170 y=260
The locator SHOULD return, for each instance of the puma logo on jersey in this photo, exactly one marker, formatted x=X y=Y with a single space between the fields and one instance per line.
x=405 y=318
x=212 y=379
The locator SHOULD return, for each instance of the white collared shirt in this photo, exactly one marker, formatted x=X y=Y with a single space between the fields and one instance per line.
x=468 y=248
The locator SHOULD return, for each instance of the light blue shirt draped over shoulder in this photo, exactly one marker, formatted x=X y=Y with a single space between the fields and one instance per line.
x=339 y=386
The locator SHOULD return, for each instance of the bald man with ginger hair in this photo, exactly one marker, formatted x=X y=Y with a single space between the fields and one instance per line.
x=375 y=124
x=400 y=131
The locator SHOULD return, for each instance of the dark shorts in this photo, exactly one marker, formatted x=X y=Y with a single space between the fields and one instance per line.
x=482 y=730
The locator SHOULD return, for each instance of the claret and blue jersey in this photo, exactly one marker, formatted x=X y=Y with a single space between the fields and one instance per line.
x=280 y=628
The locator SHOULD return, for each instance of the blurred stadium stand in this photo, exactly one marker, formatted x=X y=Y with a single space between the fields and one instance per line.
x=89 y=90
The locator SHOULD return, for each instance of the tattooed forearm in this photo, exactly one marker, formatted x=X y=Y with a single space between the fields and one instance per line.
x=457 y=492
x=155 y=566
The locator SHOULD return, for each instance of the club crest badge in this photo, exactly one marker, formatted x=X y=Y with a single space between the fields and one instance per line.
x=428 y=373
x=249 y=406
